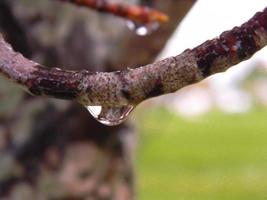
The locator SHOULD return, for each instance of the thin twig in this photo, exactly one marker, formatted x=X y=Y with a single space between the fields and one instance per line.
x=132 y=86
x=138 y=14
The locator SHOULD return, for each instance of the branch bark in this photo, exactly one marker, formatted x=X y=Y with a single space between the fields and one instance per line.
x=139 y=14
x=132 y=86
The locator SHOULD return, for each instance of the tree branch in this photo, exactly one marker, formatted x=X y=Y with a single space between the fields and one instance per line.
x=139 y=14
x=132 y=86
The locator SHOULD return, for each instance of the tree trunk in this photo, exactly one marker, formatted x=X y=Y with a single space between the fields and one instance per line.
x=54 y=149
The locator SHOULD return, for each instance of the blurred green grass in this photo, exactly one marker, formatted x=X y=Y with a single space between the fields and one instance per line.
x=217 y=156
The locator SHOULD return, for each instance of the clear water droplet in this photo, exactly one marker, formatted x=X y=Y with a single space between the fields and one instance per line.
x=142 y=29
x=110 y=116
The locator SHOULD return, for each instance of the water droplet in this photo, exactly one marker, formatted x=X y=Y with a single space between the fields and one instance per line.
x=142 y=29
x=110 y=116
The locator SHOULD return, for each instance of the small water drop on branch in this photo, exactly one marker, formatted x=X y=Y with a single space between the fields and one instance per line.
x=142 y=29
x=110 y=116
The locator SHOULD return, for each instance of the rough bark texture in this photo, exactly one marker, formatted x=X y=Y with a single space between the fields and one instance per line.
x=132 y=86
x=136 y=13
x=51 y=149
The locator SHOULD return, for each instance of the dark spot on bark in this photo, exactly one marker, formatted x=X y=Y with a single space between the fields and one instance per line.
x=125 y=85
x=55 y=83
x=120 y=10
x=88 y=89
x=235 y=45
x=157 y=90
x=245 y=42
x=206 y=54
x=262 y=19
x=126 y=93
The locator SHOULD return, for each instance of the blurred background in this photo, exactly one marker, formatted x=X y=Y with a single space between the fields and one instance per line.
x=206 y=141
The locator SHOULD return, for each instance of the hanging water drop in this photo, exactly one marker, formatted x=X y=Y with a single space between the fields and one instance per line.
x=142 y=29
x=110 y=116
